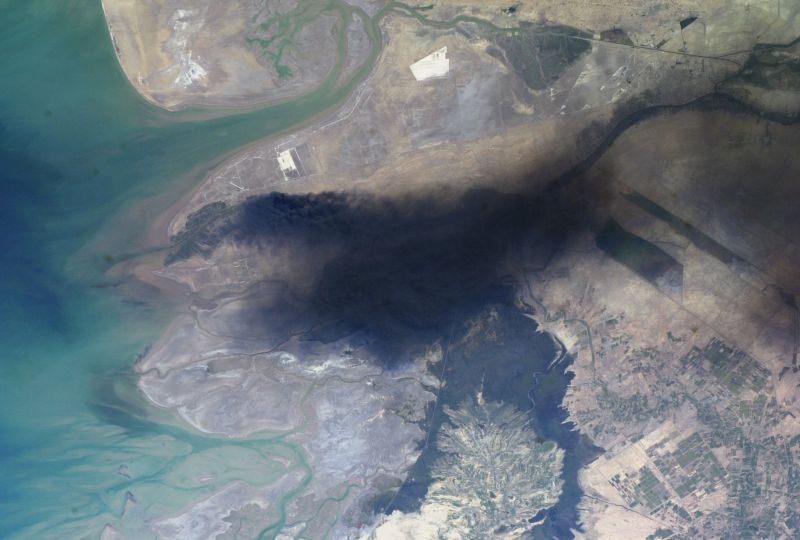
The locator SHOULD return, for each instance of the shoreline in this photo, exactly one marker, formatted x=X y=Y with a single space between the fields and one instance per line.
x=156 y=236
x=178 y=101
x=618 y=122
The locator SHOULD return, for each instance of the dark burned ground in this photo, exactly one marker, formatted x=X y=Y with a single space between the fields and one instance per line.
x=774 y=67
x=541 y=53
x=201 y=235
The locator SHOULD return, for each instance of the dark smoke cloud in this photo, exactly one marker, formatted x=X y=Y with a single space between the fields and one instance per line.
x=406 y=265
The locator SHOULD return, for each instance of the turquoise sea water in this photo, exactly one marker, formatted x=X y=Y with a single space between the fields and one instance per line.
x=78 y=147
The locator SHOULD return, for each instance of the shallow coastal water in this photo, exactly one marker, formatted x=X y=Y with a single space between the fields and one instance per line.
x=512 y=363
x=78 y=148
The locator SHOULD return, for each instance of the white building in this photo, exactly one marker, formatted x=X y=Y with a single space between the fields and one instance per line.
x=287 y=164
x=434 y=65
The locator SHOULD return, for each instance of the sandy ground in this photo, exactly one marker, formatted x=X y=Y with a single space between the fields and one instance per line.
x=204 y=54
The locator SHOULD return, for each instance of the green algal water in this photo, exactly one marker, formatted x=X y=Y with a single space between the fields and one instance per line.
x=78 y=148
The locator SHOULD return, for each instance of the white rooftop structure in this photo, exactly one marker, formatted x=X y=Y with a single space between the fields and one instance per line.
x=286 y=162
x=435 y=64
